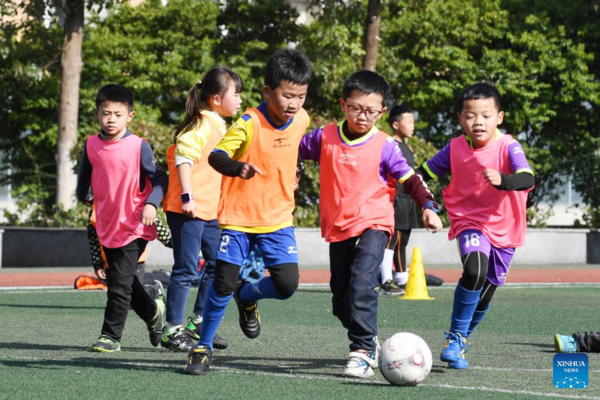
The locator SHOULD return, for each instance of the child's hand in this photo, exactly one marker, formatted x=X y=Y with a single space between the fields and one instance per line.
x=101 y=273
x=492 y=176
x=149 y=215
x=432 y=221
x=249 y=170
x=89 y=201
x=189 y=209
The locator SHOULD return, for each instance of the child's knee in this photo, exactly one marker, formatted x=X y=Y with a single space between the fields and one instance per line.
x=285 y=279
x=226 y=277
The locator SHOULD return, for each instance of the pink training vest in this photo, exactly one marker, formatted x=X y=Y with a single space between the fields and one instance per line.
x=473 y=203
x=353 y=197
x=116 y=186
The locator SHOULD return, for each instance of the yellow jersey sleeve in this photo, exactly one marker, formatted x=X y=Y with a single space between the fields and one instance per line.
x=238 y=138
x=191 y=143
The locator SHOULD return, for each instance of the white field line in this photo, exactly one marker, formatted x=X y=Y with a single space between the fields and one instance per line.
x=341 y=379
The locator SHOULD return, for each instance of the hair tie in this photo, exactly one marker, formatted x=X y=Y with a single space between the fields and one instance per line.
x=199 y=84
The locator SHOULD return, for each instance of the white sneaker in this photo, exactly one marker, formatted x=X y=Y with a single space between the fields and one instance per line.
x=361 y=364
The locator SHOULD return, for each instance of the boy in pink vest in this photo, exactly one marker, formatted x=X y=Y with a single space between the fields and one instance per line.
x=359 y=168
x=486 y=200
x=128 y=185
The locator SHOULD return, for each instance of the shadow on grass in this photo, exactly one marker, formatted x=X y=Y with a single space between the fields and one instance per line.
x=56 y=347
x=250 y=365
x=542 y=345
x=57 y=307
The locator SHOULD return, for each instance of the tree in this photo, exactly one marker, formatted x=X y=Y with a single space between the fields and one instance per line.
x=251 y=32
x=68 y=111
x=372 y=34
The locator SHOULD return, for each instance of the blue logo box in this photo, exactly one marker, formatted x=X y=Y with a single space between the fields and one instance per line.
x=571 y=371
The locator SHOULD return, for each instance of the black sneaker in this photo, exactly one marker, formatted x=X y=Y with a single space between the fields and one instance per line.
x=390 y=288
x=156 y=325
x=249 y=317
x=177 y=341
x=198 y=361
x=193 y=331
x=106 y=345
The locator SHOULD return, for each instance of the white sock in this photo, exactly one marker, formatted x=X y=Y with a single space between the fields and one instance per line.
x=386 y=265
x=197 y=319
x=400 y=278
x=172 y=327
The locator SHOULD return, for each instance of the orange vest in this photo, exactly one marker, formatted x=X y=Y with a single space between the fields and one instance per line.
x=142 y=258
x=206 y=182
x=265 y=200
x=353 y=197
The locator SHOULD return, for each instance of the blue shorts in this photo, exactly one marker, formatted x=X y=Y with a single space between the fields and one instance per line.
x=277 y=247
x=473 y=240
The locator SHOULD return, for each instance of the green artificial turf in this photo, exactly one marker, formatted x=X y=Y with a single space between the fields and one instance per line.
x=45 y=336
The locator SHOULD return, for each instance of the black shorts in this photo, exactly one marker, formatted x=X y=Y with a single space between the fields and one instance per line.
x=405 y=213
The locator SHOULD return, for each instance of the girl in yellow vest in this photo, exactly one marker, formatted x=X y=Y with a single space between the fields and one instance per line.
x=192 y=199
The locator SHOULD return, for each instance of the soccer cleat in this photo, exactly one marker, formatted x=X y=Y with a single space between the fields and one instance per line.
x=454 y=351
x=106 y=345
x=390 y=288
x=193 y=331
x=157 y=324
x=565 y=344
x=160 y=291
x=177 y=341
x=198 y=361
x=361 y=363
x=249 y=316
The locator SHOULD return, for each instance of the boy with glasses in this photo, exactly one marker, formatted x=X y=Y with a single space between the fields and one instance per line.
x=359 y=167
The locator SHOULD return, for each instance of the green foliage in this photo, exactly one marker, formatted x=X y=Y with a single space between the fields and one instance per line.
x=252 y=32
x=30 y=80
x=550 y=97
x=543 y=56
x=159 y=51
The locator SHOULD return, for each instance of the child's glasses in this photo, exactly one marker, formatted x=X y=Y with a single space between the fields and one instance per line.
x=355 y=111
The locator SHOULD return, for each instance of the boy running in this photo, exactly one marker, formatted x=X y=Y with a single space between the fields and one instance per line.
x=128 y=186
x=486 y=200
x=258 y=158
x=359 y=167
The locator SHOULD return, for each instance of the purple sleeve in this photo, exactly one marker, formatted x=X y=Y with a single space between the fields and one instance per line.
x=310 y=145
x=393 y=162
x=439 y=164
x=517 y=159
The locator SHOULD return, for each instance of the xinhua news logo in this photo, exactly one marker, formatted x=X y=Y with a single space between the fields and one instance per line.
x=571 y=371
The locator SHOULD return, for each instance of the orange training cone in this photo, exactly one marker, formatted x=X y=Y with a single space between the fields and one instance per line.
x=416 y=287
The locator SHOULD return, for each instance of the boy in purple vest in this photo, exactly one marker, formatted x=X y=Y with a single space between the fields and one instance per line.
x=128 y=185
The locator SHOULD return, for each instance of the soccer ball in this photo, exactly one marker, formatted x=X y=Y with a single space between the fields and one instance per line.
x=405 y=359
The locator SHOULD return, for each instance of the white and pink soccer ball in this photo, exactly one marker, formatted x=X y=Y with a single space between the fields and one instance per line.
x=405 y=359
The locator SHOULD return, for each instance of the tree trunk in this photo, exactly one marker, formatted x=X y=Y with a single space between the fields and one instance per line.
x=66 y=179
x=372 y=35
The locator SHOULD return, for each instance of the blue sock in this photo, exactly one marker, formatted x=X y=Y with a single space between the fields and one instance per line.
x=261 y=289
x=214 y=309
x=463 y=308
x=477 y=318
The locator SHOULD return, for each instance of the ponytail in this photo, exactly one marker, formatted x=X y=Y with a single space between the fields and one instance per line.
x=215 y=82
x=192 y=110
